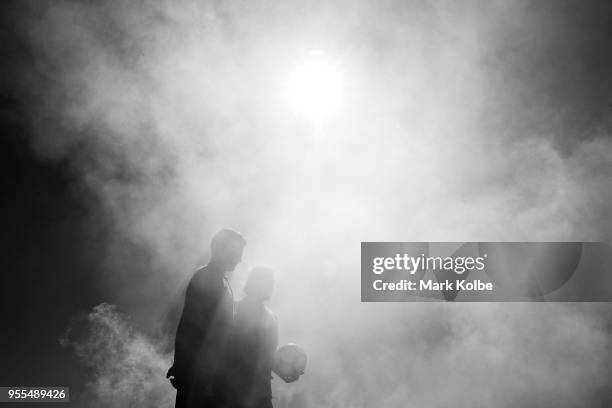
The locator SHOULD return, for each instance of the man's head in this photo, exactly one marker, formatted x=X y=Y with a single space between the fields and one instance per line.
x=226 y=249
x=260 y=283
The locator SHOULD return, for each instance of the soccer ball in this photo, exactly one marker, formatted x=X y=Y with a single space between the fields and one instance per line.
x=290 y=362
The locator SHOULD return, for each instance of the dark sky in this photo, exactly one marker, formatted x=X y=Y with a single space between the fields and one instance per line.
x=550 y=73
x=51 y=240
x=53 y=233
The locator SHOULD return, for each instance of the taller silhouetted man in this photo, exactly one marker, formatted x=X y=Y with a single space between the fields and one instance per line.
x=201 y=361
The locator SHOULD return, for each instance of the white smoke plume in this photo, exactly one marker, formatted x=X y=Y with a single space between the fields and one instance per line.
x=127 y=367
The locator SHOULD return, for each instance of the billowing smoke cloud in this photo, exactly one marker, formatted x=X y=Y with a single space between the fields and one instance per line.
x=127 y=368
x=460 y=122
x=470 y=355
x=464 y=355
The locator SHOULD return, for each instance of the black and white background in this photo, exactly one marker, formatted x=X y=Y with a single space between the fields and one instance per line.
x=131 y=131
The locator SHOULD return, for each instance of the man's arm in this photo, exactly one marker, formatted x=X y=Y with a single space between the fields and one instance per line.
x=191 y=329
x=274 y=339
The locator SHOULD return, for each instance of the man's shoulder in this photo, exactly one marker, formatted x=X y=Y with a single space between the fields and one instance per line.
x=203 y=280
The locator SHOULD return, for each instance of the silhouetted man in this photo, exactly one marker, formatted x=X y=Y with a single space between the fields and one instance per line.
x=201 y=352
x=255 y=341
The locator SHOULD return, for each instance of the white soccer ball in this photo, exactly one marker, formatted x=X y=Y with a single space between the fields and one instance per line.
x=290 y=362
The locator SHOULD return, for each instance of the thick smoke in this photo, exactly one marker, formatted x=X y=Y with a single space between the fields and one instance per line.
x=460 y=122
x=127 y=368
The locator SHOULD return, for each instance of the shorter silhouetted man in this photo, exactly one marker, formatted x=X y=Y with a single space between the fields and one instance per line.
x=255 y=341
x=201 y=352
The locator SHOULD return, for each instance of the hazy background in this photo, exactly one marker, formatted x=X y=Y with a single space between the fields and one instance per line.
x=133 y=130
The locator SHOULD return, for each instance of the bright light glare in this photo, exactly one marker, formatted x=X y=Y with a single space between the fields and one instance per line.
x=315 y=88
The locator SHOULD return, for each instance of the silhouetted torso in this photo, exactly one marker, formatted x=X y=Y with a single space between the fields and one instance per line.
x=202 y=337
x=255 y=341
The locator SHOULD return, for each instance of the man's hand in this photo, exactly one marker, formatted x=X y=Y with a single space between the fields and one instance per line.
x=293 y=377
x=172 y=377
